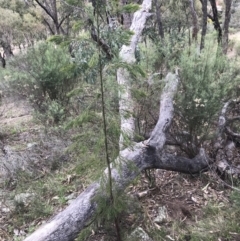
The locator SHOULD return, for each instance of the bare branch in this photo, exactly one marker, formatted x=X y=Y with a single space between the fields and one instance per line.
x=63 y=19
x=47 y=10
x=106 y=49
x=158 y=138
x=232 y=133
x=127 y=54
x=49 y=26
x=222 y=119
x=232 y=119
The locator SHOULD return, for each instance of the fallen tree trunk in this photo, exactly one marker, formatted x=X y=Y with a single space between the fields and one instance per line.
x=66 y=225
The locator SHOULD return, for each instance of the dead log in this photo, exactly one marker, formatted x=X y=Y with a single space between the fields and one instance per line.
x=66 y=225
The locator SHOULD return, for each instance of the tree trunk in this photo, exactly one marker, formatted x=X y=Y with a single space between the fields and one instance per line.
x=204 y=23
x=215 y=19
x=55 y=16
x=51 y=9
x=7 y=51
x=127 y=54
x=3 y=60
x=159 y=20
x=228 y=4
x=194 y=20
x=126 y=17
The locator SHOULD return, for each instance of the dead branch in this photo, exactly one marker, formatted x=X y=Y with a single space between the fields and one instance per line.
x=66 y=225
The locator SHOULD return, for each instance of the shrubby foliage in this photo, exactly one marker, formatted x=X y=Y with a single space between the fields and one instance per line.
x=54 y=113
x=86 y=60
x=88 y=124
x=45 y=71
x=207 y=80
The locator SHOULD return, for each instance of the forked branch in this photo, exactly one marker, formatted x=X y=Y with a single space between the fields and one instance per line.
x=66 y=225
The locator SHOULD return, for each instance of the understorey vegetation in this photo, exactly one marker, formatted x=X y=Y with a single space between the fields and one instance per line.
x=131 y=120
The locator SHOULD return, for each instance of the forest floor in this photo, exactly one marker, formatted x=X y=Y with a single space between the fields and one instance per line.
x=196 y=207
x=187 y=200
x=199 y=207
x=28 y=155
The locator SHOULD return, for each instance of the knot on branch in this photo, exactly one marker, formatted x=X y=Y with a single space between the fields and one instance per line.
x=221 y=121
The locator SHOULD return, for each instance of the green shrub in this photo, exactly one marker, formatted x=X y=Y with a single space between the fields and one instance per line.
x=235 y=197
x=44 y=72
x=207 y=80
x=53 y=113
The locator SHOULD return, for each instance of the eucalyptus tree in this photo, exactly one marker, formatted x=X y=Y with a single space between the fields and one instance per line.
x=194 y=19
x=223 y=31
x=215 y=19
x=204 y=22
x=8 y=22
x=18 y=28
x=56 y=15
x=159 y=18
x=172 y=18
x=228 y=5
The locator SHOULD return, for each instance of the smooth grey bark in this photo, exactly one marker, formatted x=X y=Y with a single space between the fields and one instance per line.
x=66 y=225
x=127 y=55
x=158 y=137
